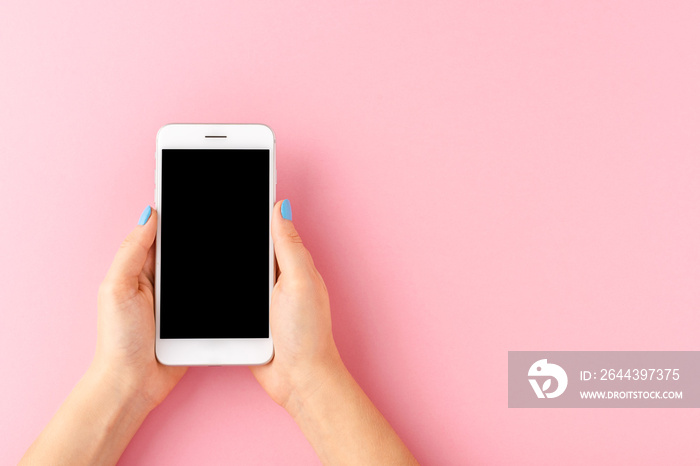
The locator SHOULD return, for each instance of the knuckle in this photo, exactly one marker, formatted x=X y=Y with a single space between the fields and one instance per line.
x=132 y=243
x=111 y=289
x=127 y=242
x=106 y=289
x=300 y=283
x=305 y=283
x=292 y=238
x=295 y=238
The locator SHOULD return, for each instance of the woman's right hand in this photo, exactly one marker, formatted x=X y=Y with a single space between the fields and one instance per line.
x=306 y=375
x=300 y=321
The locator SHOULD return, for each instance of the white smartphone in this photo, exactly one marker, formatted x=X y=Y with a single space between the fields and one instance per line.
x=215 y=189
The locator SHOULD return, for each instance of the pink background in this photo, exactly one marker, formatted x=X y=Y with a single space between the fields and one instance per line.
x=470 y=177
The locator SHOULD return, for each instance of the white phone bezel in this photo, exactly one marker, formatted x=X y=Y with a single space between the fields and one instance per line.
x=210 y=352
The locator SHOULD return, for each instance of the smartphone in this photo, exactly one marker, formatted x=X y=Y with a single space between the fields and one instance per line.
x=215 y=189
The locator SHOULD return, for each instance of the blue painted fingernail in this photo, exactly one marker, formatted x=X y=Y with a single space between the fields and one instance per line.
x=286 y=209
x=145 y=215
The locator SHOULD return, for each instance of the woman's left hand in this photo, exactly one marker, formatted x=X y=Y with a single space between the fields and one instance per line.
x=125 y=353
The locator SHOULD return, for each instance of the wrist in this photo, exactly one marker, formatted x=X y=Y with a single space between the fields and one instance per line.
x=93 y=425
x=343 y=426
x=321 y=378
x=121 y=396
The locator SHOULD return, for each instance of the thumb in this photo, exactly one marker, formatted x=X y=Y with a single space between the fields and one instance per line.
x=293 y=258
x=131 y=257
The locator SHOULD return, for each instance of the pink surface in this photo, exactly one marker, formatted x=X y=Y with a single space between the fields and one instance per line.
x=471 y=178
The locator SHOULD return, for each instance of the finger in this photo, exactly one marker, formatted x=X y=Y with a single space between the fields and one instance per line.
x=149 y=268
x=292 y=257
x=134 y=250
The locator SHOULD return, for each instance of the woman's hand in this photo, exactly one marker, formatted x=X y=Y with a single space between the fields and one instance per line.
x=307 y=376
x=125 y=381
x=300 y=321
x=125 y=353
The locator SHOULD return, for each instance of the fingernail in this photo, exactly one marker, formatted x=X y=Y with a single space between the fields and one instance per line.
x=145 y=215
x=286 y=209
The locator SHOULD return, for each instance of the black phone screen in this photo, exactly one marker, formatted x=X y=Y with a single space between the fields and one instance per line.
x=214 y=228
